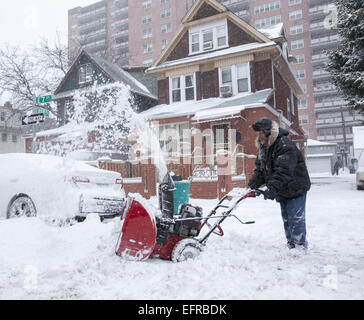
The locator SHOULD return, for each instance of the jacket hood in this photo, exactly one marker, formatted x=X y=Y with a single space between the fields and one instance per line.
x=275 y=132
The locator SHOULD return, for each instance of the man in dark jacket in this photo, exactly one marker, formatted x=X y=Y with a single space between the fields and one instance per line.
x=281 y=167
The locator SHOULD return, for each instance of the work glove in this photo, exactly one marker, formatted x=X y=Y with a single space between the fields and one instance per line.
x=269 y=194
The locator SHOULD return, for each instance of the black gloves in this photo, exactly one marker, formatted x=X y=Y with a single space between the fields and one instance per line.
x=269 y=194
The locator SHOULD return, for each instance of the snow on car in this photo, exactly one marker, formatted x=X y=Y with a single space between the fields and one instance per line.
x=57 y=187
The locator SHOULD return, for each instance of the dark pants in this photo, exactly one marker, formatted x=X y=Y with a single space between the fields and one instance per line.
x=294 y=220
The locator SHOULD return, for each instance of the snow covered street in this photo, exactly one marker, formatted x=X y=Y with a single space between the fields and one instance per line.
x=42 y=261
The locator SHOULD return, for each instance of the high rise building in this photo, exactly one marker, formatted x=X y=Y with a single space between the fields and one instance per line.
x=334 y=120
x=102 y=28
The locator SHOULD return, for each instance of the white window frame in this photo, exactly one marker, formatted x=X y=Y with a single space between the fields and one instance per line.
x=213 y=27
x=166 y=28
x=294 y=2
x=234 y=78
x=182 y=87
x=295 y=15
x=165 y=13
x=298 y=29
x=297 y=44
x=147 y=33
x=88 y=76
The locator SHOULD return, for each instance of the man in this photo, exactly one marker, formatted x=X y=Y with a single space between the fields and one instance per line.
x=281 y=167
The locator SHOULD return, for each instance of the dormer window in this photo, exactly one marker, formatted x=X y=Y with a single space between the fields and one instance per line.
x=85 y=73
x=208 y=37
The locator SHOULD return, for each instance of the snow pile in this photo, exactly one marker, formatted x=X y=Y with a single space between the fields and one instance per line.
x=41 y=261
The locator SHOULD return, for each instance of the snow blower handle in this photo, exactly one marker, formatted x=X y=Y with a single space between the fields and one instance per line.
x=256 y=193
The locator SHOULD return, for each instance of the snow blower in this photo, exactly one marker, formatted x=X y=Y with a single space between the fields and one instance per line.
x=173 y=237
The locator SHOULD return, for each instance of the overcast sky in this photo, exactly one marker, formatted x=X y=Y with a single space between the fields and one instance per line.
x=23 y=22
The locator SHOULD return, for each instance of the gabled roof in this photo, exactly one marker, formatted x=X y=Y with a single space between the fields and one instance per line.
x=221 y=12
x=112 y=71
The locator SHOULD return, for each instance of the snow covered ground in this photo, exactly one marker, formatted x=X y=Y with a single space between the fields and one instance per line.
x=39 y=260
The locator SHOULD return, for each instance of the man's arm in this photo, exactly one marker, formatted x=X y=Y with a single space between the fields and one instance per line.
x=257 y=179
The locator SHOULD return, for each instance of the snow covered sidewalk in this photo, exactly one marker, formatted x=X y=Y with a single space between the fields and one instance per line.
x=41 y=261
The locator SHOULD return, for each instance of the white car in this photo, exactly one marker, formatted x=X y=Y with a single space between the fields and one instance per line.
x=52 y=186
x=360 y=173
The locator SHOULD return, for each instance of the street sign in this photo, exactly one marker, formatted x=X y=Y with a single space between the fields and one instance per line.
x=44 y=99
x=41 y=110
x=33 y=119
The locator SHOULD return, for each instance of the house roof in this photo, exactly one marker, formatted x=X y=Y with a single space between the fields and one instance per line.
x=214 y=54
x=316 y=143
x=113 y=71
x=273 y=32
x=209 y=108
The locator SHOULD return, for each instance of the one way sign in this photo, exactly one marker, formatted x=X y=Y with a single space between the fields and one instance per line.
x=33 y=119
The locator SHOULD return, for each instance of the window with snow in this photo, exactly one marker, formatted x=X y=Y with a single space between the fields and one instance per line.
x=208 y=37
x=183 y=88
x=234 y=79
x=174 y=137
x=85 y=73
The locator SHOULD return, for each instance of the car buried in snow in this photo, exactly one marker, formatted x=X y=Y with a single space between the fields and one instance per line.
x=56 y=187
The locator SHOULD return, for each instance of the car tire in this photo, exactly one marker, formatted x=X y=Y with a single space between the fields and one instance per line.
x=21 y=206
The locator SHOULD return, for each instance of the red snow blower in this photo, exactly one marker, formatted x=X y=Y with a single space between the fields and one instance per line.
x=169 y=237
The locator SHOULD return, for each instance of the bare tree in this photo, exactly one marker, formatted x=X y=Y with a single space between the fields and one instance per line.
x=26 y=74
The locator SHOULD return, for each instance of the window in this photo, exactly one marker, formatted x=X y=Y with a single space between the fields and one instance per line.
x=173 y=136
x=301 y=74
x=147 y=62
x=2 y=116
x=237 y=77
x=85 y=73
x=302 y=104
x=288 y=109
x=146 y=19
x=15 y=138
x=4 y=137
x=147 y=4
x=297 y=44
x=221 y=137
x=294 y=2
x=165 y=13
x=296 y=29
x=267 y=22
x=147 y=33
x=208 y=37
x=267 y=7
x=165 y=1
x=303 y=120
x=164 y=43
x=295 y=15
x=166 y=28
x=147 y=48
x=300 y=59
x=183 y=88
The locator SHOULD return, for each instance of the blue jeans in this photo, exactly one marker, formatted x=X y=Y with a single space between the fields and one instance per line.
x=294 y=220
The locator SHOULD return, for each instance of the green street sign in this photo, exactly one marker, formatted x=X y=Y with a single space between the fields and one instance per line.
x=41 y=110
x=44 y=99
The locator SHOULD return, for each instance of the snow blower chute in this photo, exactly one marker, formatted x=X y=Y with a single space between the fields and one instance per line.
x=173 y=237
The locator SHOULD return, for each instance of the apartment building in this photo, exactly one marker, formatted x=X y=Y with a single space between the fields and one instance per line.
x=334 y=120
x=102 y=29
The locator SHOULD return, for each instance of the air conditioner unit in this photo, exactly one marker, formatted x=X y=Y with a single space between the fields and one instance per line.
x=226 y=91
x=208 y=45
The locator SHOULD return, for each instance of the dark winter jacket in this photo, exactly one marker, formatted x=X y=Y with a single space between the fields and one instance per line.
x=280 y=165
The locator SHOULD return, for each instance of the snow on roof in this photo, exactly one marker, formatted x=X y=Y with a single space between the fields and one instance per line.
x=316 y=143
x=205 y=107
x=69 y=128
x=358 y=137
x=273 y=32
x=242 y=48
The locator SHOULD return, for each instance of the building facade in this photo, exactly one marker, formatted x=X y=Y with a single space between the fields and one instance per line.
x=10 y=130
x=334 y=120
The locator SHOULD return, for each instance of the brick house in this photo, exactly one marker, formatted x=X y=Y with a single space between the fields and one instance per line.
x=216 y=77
